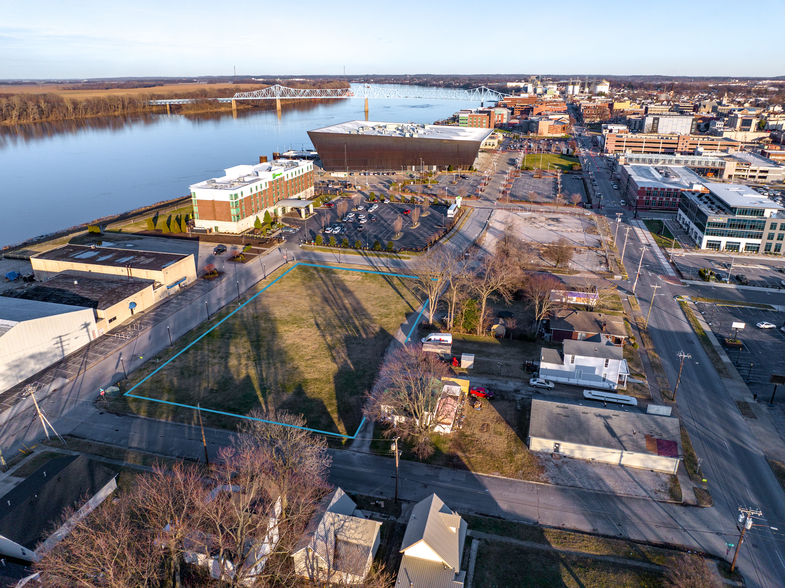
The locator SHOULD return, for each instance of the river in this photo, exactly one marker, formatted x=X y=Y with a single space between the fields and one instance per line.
x=57 y=175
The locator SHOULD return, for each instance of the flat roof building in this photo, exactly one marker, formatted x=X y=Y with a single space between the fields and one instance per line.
x=668 y=144
x=113 y=301
x=731 y=217
x=34 y=335
x=657 y=187
x=621 y=435
x=360 y=145
x=233 y=202
x=168 y=271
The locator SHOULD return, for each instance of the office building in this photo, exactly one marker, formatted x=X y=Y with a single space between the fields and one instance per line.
x=667 y=144
x=663 y=124
x=232 y=203
x=732 y=217
x=657 y=187
x=740 y=165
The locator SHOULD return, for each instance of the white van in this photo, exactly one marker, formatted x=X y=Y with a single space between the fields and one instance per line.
x=452 y=210
x=438 y=338
x=609 y=397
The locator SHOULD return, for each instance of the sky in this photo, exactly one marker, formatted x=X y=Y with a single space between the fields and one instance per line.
x=47 y=39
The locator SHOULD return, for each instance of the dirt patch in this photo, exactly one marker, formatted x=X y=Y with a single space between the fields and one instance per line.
x=603 y=477
x=745 y=410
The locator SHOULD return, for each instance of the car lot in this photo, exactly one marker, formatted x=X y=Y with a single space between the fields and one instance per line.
x=760 y=273
x=380 y=229
x=763 y=351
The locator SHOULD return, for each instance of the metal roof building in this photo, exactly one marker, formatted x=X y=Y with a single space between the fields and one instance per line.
x=34 y=335
x=360 y=145
x=620 y=435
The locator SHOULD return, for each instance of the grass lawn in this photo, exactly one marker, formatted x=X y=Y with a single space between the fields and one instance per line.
x=666 y=238
x=140 y=224
x=311 y=344
x=564 y=162
x=708 y=347
x=490 y=352
x=501 y=565
x=35 y=462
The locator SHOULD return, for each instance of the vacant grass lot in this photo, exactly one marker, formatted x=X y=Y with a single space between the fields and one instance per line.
x=501 y=565
x=311 y=344
x=535 y=160
x=661 y=234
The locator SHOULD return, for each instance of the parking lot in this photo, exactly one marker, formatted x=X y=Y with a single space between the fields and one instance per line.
x=755 y=271
x=381 y=229
x=763 y=351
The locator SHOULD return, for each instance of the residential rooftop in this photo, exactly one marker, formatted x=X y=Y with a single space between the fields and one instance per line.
x=593 y=349
x=107 y=256
x=586 y=422
x=588 y=322
x=81 y=291
x=419 y=131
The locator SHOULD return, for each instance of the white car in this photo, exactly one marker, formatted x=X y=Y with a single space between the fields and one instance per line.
x=622 y=202
x=363 y=220
x=766 y=325
x=541 y=383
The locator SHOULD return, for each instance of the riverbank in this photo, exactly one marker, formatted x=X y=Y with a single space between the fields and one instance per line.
x=35 y=245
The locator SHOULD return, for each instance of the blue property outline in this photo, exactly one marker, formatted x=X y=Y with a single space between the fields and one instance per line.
x=239 y=416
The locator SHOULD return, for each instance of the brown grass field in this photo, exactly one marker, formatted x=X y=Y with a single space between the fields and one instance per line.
x=90 y=93
x=311 y=344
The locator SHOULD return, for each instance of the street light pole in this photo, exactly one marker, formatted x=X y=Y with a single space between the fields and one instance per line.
x=626 y=234
x=395 y=448
x=638 y=274
x=616 y=234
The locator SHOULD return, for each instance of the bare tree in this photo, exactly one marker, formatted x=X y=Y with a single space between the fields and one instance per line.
x=415 y=214
x=559 y=252
x=532 y=196
x=357 y=199
x=433 y=271
x=537 y=291
x=426 y=206
x=558 y=200
x=342 y=207
x=495 y=277
x=690 y=571
x=457 y=287
x=106 y=549
x=406 y=394
x=576 y=199
x=398 y=226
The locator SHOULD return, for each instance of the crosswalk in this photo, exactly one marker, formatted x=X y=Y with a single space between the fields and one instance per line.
x=645 y=237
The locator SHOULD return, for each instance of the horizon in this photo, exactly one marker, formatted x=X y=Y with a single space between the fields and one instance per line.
x=91 y=40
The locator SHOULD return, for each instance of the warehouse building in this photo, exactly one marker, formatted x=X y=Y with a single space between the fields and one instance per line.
x=359 y=145
x=169 y=272
x=657 y=187
x=623 y=436
x=34 y=335
x=732 y=217
x=112 y=301
x=233 y=202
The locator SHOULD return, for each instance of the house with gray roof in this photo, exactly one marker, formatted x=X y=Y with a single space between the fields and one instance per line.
x=581 y=326
x=622 y=435
x=432 y=547
x=339 y=544
x=592 y=364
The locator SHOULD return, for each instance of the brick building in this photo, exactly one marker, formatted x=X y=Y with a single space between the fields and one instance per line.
x=232 y=203
x=682 y=144
x=595 y=112
x=657 y=187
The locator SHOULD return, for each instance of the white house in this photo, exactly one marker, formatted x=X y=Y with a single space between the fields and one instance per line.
x=339 y=544
x=432 y=547
x=585 y=363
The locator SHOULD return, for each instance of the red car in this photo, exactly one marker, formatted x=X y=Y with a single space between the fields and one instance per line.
x=329 y=204
x=481 y=392
x=407 y=211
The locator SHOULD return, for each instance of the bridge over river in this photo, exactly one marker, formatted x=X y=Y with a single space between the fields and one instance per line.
x=364 y=91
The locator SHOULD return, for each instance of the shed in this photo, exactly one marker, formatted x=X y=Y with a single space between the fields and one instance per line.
x=621 y=435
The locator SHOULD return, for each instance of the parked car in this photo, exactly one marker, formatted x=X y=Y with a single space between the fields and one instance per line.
x=373 y=218
x=219 y=249
x=329 y=204
x=407 y=211
x=766 y=325
x=742 y=279
x=481 y=392
x=361 y=207
x=541 y=383
x=623 y=202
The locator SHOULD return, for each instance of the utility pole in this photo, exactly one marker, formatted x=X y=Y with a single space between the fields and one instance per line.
x=682 y=356
x=44 y=421
x=673 y=244
x=648 y=314
x=616 y=234
x=395 y=449
x=638 y=274
x=204 y=441
x=745 y=520
x=626 y=234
